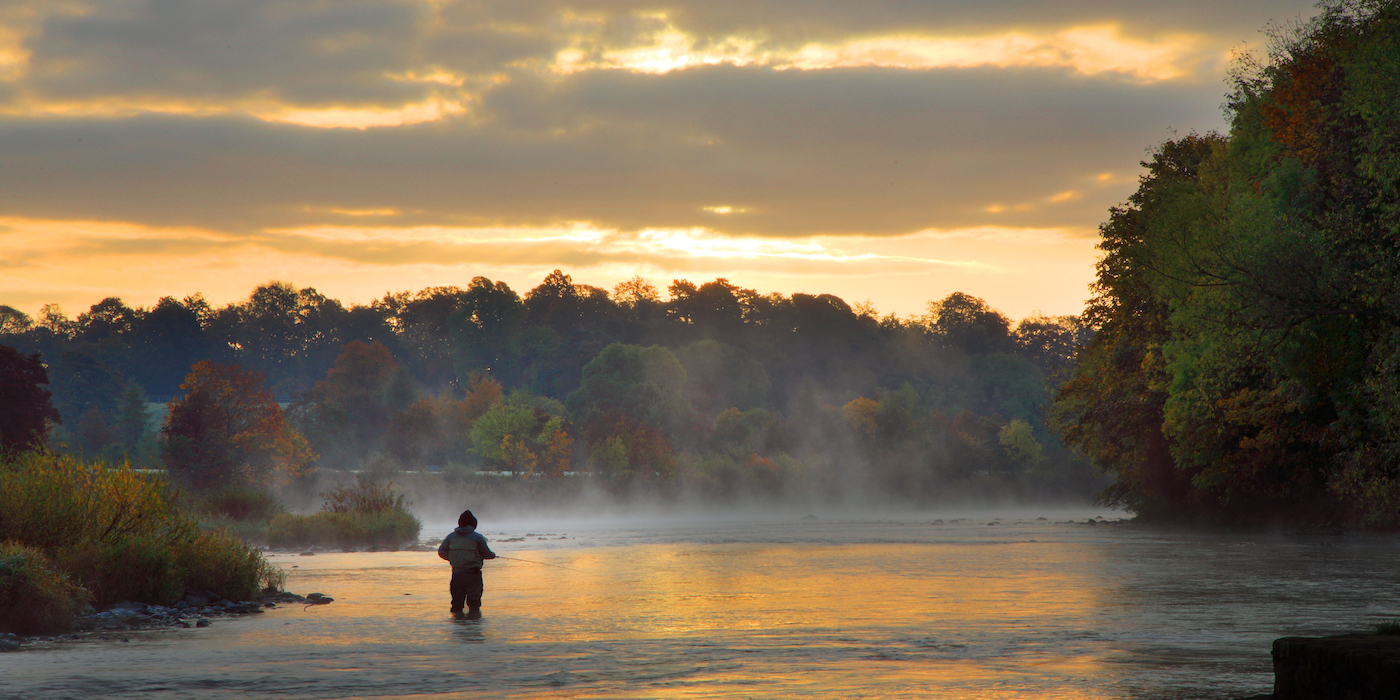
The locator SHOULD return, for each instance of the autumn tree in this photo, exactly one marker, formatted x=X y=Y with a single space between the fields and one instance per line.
x=346 y=413
x=227 y=430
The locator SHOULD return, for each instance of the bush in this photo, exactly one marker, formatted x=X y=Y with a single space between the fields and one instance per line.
x=119 y=534
x=366 y=496
x=1388 y=627
x=367 y=513
x=225 y=565
x=35 y=597
x=53 y=502
x=343 y=529
x=131 y=568
x=242 y=503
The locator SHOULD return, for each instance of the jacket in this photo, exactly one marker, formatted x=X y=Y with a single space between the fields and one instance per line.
x=465 y=548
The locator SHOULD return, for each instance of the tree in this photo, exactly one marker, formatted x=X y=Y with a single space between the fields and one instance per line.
x=635 y=292
x=965 y=322
x=25 y=410
x=13 y=321
x=133 y=417
x=227 y=430
x=347 y=413
x=485 y=331
x=83 y=382
x=719 y=376
x=642 y=384
x=512 y=432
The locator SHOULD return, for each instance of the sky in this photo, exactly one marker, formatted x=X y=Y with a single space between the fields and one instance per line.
x=889 y=151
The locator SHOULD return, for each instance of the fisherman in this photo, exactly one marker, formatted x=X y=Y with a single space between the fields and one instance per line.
x=466 y=549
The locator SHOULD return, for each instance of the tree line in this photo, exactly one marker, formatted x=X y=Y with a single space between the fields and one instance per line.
x=717 y=386
x=1246 y=366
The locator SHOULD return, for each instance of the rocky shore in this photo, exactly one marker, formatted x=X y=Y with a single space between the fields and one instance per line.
x=194 y=610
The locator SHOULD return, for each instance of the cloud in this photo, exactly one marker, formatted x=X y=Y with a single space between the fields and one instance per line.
x=382 y=62
x=368 y=140
x=869 y=150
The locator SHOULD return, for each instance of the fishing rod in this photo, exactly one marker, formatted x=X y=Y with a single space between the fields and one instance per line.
x=542 y=563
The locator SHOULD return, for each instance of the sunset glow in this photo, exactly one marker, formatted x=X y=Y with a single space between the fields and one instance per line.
x=362 y=149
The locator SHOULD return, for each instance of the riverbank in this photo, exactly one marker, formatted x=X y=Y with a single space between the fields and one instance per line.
x=194 y=610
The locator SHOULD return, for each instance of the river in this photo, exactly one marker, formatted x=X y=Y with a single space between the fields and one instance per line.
x=920 y=607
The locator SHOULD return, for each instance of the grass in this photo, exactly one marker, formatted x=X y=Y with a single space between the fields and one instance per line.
x=85 y=531
x=367 y=513
x=1388 y=627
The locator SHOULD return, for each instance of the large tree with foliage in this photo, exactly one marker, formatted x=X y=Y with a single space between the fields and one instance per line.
x=227 y=430
x=1246 y=306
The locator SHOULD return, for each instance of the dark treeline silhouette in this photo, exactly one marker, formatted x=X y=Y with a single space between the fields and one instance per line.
x=718 y=388
x=1247 y=362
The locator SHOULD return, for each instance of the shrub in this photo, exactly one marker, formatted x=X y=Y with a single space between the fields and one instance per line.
x=366 y=496
x=242 y=503
x=343 y=529
x=225 y=565
x=367 y=513
x=119 y=534
x=131 y=568
x=57 y=501
x=35 y=597
x=1388 y=627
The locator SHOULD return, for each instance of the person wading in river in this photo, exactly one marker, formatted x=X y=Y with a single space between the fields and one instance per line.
x=466 y=549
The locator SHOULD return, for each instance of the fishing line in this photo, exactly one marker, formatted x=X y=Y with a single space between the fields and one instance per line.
x=542 y=563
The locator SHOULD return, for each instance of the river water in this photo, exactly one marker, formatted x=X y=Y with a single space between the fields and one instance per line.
x=913 y=608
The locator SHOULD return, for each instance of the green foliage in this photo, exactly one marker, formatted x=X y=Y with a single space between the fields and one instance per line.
x=485 y=330
x=641 y=383
x=35 y=597
x=389 y=528
x=1388 y=627
x=241 y=503
x=408 y=381
x=366 y=496
x=1246 y=302
x=1018 y=440
x=512 y=432
x=120 y=534
x=368 y=513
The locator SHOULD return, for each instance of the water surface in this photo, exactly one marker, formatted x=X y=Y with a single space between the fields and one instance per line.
x=1024 y=608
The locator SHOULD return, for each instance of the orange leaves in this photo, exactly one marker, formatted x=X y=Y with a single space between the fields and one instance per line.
x=227 y=428
x=860 y=414
x=556 y=456
x=1299 y=104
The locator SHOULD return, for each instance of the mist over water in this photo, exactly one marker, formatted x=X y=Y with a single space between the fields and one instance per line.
x=720 y=605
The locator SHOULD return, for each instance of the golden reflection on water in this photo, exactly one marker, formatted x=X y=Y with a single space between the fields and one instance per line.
x=829 y=610
x=743 y=620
